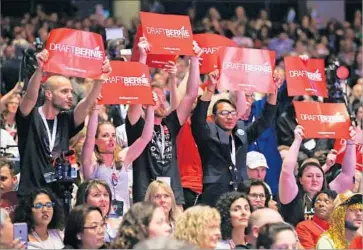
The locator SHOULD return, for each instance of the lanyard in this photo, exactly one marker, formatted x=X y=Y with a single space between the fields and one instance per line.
x=233 y=152
x=51 y=137
x=162 y=146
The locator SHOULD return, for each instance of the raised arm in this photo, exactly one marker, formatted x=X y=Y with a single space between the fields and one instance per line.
x=88 y=165
x=288 y=188
x=344 y=180
x=135 y=110
x=172 y=83
x=185 y=107
x=239 y=99
x=14 y=91
x=82 y=108
x=330 y=160
x=30 y=98
x=132 y=152
x=199 y=124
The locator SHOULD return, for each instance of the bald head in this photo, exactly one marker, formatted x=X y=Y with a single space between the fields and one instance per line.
x=258 y=219
x=55 y=82
x=264 y=216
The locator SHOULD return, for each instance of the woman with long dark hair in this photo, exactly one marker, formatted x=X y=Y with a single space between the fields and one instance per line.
x=44 y=216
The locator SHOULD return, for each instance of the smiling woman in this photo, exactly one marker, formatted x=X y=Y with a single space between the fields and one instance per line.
x=44 y=217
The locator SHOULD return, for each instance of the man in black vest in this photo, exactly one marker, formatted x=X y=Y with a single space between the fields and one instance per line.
x=223 y=144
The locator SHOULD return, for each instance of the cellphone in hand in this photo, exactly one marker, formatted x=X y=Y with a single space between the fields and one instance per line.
x=21 y=232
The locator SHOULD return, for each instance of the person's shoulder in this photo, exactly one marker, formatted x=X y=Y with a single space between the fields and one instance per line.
x=325 y=242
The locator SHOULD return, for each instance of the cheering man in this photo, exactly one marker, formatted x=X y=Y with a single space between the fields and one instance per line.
x=44 y=132
x=223 y=144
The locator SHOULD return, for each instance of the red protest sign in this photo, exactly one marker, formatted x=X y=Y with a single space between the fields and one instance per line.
x=210 y=44
x=323 y=120
x=9 y=201
x=75 y=53
x=248 y=70
x=340 y=146
x=153 y=61
x=305 y=77
x=129 y=83
x=167 y=34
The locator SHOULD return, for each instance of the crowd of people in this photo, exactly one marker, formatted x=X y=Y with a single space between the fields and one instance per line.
x=200 y=168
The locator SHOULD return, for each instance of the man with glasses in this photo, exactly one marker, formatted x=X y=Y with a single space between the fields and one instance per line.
x=223 y=144
x=257 y=193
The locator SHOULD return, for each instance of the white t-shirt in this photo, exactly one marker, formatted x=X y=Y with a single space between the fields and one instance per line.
x=54 y=241
x=7 y=140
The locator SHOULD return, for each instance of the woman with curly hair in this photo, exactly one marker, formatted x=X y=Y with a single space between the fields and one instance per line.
x=235 y=210
x=44 y=216
x=162 y=195
x=143 y=221
x=200 y=226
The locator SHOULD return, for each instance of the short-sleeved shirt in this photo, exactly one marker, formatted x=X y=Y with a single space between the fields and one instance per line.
x=34 y=151
x=150 y=164
x=302 y=207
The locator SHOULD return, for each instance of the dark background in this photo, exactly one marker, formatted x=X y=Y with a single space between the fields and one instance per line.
x=277 y=8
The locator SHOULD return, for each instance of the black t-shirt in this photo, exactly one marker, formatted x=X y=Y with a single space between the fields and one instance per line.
x=150 y=164
x=34 y=147
x=299 y=209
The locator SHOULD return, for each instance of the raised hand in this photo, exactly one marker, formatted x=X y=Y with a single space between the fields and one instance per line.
x=144 y=46
x=42 y=58
x=331 y=158
x=197 y=52
x=299 y=133
x=170 y=67
x=213 y=79
x=352 y=134
x=106 y=69
x=278 y=77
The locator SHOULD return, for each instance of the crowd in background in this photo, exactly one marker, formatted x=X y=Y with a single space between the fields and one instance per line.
x=285 y=192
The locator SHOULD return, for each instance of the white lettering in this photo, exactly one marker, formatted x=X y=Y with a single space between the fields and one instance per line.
x=312 y=76
x=181 y=33
x=129 y=80
x=263 y=69
x=209 y=50
x=77 y=51
x=323 y=118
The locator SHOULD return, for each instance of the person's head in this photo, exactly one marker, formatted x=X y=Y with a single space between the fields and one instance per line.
x=40 y=208
x=257 y=193
x=58 y=92
x=256 y=166
x=240 y=12
x=13 y=104
x=161 y=103
x=200 y=226
x=95 y=193
x=8 y=179
x=277 y=236
x=258 y=219
x=105 y=138
x=163 y=243
x=311 y=177
x=235 y=210
x=347 y=216
x=162 y=195
x=323 y=203
x=85 y=228
x=144 y=220
x=6 y=229
x=225 y=114
x=9 y=52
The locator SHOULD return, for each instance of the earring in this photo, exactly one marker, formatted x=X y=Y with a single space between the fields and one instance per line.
x=78 y=237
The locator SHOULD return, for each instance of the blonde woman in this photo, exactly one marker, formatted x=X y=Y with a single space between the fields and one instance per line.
x=200 y=226
x=162 y=195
